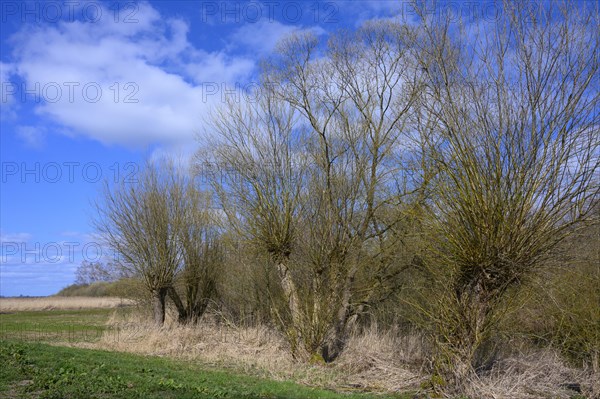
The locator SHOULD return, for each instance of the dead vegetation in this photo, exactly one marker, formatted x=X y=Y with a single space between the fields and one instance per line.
x=375 y=360
x=537 y=374
x=60 y=303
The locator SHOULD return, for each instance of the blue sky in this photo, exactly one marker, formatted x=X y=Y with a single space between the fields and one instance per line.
x=90 y=89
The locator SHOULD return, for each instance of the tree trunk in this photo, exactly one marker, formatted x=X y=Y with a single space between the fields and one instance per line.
x=199 y=309
x=198 y=299
x=183 y=314
x=338 y=337
x=158 y=304
x=464 y=337
x=291 y=293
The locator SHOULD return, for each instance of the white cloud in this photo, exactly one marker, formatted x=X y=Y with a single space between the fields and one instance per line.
x=134 y=84
x=35 y=279
x=218 y=68
x=6 y=69
x=15 y=237
x=19 y=252
x=263 y=36
x=33 y=136
x=7 y=90
x=128 y=84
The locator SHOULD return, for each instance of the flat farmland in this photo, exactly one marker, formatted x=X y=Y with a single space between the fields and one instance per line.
x=58 y=319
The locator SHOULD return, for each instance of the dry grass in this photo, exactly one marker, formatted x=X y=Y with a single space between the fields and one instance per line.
x=534 y=375
x=60 y=303
x=372 y=361
x=384 y=360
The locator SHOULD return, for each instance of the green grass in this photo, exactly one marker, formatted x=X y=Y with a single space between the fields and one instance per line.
x=85 y=325
x=44 y=371
x=30 y=368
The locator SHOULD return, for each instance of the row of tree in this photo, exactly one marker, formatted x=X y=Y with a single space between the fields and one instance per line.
x=161 y=230
x=439 y=159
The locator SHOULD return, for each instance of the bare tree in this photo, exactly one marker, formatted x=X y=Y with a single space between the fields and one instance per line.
x=258 y=182
x=314 y=179
x=356 y=100
x=92 y=272
x=511 y=111
x=163 y=232
x=140 y=222
x=202 y=256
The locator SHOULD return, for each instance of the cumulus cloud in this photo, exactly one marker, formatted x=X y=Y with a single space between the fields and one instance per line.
x=262 y=37
x=129 y=84
x=141 y=84
x=14 y=237
x=7 y=90
x=32 y=136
